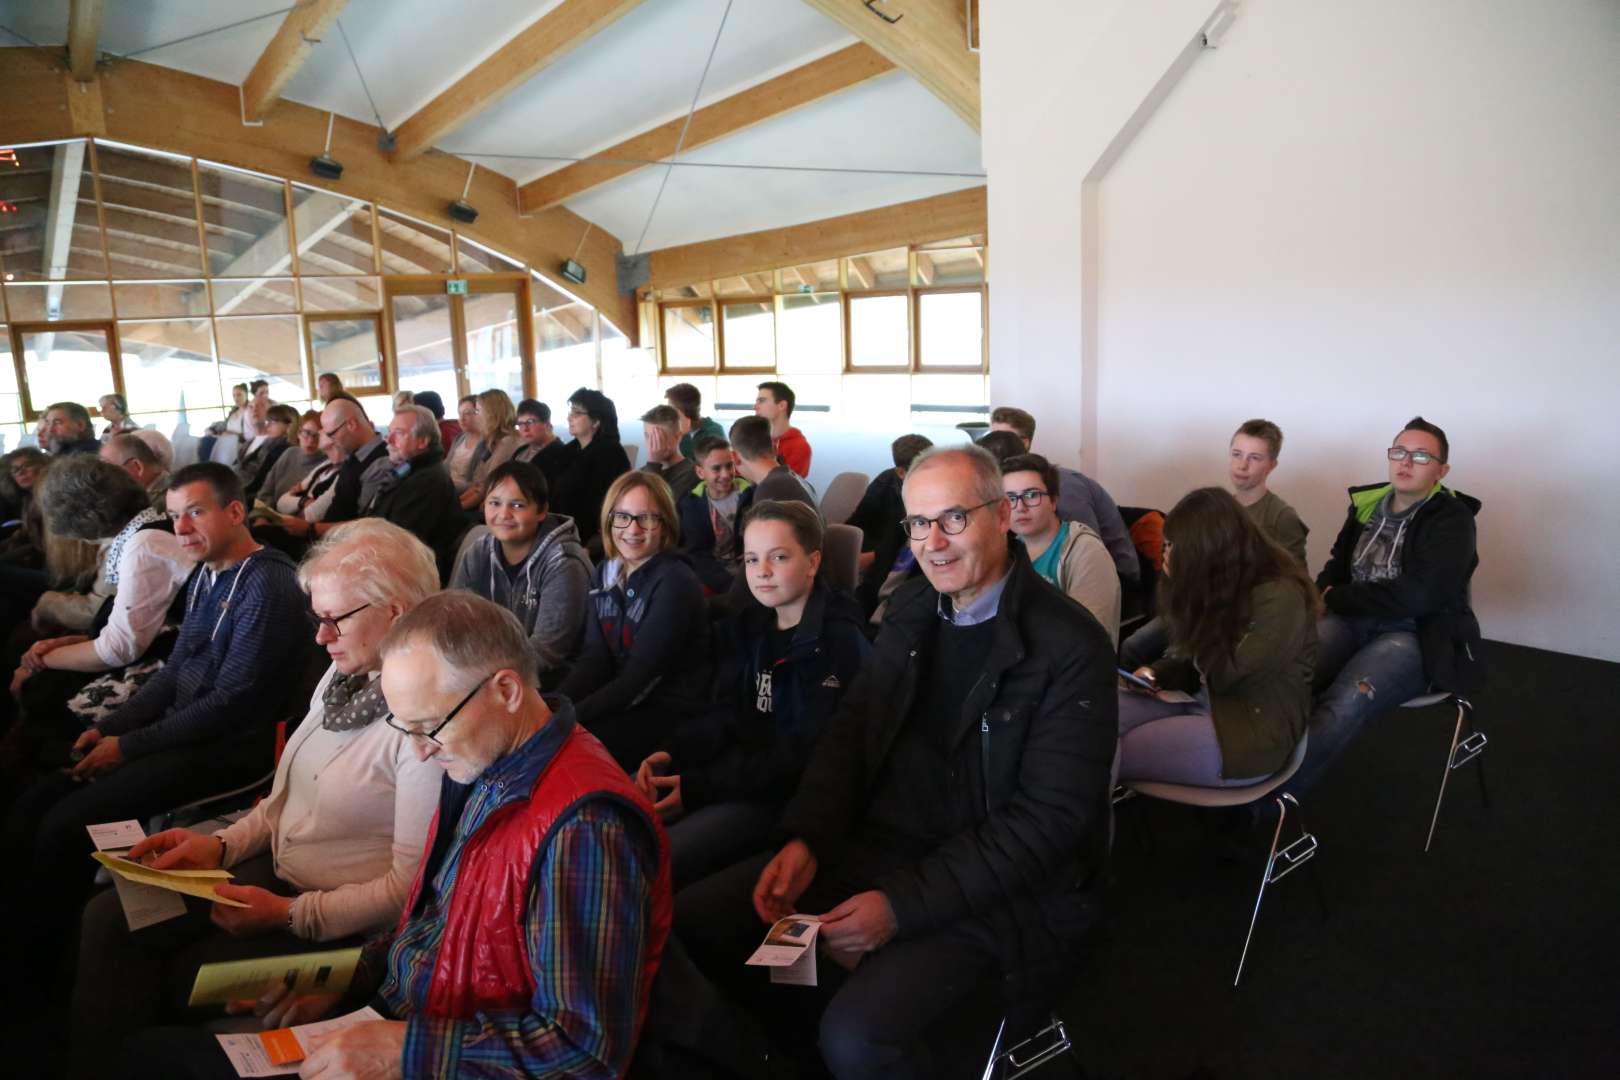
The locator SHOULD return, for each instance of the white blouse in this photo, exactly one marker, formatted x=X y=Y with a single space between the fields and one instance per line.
x=151 y=571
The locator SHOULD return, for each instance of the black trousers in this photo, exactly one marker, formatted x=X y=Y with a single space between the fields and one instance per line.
x=923 y=1006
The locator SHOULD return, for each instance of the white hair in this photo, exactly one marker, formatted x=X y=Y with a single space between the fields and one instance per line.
x=383 y=563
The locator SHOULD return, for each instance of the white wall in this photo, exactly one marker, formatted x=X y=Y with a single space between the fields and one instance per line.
x=1346 y=214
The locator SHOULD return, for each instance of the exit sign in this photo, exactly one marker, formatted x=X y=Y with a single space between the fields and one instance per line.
x=456 y=286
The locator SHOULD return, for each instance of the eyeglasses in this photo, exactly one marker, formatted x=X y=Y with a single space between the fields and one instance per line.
x=331 y=621
x=431 y=735
x=1418 y=457
x=576 y=411
x=950 y=522
x=1030 y=497
x=621 y=520
x=309 y=433
x=529 y=422
x=341 y=424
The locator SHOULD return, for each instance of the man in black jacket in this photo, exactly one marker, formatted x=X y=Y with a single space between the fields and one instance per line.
x=951 y=826
x=1396 y=592
x=423 y=502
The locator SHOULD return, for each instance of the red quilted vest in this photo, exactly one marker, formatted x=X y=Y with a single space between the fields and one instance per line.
x=482 y=962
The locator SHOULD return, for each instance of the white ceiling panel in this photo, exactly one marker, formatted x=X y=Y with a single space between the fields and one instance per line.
x=135 y=26
x=642 y=71
x=889 y=123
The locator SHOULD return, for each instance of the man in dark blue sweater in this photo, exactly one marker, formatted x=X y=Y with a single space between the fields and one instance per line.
x=203 y=724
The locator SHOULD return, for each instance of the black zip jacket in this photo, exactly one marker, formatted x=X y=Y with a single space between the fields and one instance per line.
x=424 y=504
x=727 y=754
x=1044 y=715
x=1438 y=557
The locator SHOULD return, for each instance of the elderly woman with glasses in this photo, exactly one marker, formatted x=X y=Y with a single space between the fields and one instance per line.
x=328 y=856
x=643 y=667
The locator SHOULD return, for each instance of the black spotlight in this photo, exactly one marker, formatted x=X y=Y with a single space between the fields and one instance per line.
x=462 y=212
x=326 y=168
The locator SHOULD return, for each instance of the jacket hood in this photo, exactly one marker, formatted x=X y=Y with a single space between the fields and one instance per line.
x=1365 y=499
x=738 y=486
x=650 y=572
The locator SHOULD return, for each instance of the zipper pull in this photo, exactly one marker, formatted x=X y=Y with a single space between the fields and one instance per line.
x=984 y=724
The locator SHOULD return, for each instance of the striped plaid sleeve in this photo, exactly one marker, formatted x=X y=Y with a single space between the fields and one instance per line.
x=586 y=932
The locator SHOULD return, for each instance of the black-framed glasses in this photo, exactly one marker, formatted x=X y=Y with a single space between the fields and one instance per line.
x=950 y=522
x=528 y=422
x=1418 y=457
x=619 y=519
x=1030 y=497
x=331 y=621
x=432 y=734
x=339 y=426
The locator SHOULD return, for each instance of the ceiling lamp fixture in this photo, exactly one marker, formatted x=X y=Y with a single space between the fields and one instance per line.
x=461 y=209
x=323 y=164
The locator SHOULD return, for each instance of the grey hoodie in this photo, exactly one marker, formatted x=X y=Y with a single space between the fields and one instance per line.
x=547 y=594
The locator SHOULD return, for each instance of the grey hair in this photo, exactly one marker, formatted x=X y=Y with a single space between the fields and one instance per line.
x=426 y=426
x=129 y=445
x=986 y=469
x=470 y=634
x=384 y=564
x=85 y=498
x=160 y=444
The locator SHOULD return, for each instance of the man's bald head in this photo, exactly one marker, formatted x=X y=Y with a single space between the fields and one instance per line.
x=345 y=423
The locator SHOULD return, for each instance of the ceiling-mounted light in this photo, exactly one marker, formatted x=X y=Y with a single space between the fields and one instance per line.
x=460 y=209
x=323 y=164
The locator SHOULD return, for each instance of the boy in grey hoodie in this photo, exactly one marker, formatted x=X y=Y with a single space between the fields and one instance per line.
x=530 y=562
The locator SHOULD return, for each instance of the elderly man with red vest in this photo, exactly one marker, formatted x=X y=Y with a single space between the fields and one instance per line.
x=529 y=943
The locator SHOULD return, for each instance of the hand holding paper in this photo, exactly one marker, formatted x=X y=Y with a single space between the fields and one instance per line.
x=783 y=881
x=191 y=882
x=178 y=849
x=864 y=923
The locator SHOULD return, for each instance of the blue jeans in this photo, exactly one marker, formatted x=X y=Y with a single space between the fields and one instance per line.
x=1365 y=667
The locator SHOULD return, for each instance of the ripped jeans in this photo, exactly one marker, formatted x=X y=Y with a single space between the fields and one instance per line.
x=1365 y=666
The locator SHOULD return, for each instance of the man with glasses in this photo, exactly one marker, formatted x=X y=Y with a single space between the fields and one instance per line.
x=950 y=830
x=364 y=474
x=536 y=925
x=1069 y=554
x=1396 y=592
x=132 y=454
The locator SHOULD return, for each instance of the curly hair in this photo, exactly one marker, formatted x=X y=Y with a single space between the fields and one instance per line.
x=85 y=498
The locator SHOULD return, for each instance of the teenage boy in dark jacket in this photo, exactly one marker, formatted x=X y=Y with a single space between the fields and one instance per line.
x=951 y=826
x=784 y=666
x=1396 y=592
x=712 y=514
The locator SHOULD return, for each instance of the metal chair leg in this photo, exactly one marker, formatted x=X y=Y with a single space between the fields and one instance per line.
x=1291 y=857
x=1461 y=753
x=1024 y=1058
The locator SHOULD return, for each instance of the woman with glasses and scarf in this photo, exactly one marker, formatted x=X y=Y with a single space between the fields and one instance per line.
x=328 y=856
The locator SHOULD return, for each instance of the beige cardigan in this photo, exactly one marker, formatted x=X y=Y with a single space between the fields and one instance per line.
x=350 y=843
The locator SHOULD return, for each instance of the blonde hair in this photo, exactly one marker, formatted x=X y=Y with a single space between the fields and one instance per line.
x=669 y=534
x=385 y=564
x=497 y=417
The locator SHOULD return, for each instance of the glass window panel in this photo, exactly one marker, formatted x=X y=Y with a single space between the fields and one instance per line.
x=744 y=285
x=565 y=345
x=811 y=277
x=66 y=365
x=58 y=302
x=266 y=250
x=333 y=233
x=349 y=349
x=412 y=247
x=879 y=332
x=160 y=299
x=475 y=258
x=750 y=340
x=494 y=350
x=168 y=365
x=810 y=334
x=950 y=329
x=689 y=337
x=10 y=399
x=255 y=296
x=950 y=266
x=150 y=207
x=341 y=294
x=267 y=347
x=52 y=229
x=630 y=378
x=423 y=343
x=879 y=270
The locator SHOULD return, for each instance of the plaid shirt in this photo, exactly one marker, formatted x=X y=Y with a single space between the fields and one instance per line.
x=585 y=932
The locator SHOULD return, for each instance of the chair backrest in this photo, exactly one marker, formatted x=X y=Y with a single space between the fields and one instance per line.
x=225 y=448
x=841 y=557
x=633 y=452
x=843 y=496
x=184 y=444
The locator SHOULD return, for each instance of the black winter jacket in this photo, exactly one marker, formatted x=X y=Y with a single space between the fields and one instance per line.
x=590 y=471
x=697 y=539
x=424 y=504
x=1044 y=713
x=727 y=754
x=1438 y=557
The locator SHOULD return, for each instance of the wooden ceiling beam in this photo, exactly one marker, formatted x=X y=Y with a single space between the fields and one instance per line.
x=928 y=41
x=534 y=48
x=802 y=86
x=84 y=28
x=921 y=221
x=295 y=39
